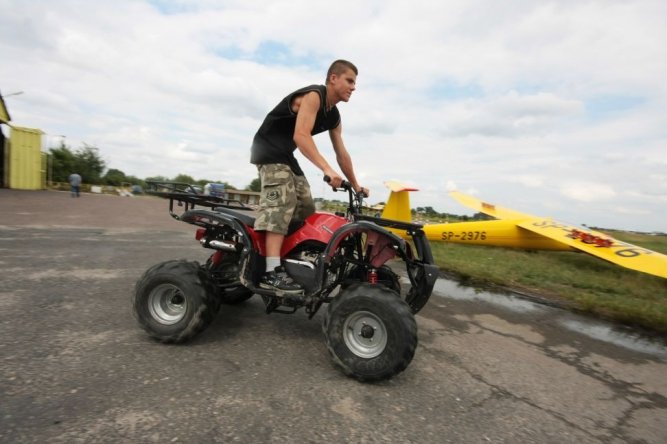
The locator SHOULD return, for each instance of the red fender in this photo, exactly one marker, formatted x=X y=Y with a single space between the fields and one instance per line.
x=318 y=227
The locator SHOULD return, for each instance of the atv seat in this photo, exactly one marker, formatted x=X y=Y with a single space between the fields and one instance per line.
x=244 y=217
x=249 y=220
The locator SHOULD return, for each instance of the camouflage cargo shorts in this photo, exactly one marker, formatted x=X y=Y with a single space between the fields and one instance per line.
x=284 y=197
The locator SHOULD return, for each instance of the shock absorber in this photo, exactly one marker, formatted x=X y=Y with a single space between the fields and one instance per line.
x=372 y=276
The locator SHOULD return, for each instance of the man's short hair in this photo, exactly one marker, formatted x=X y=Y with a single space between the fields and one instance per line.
x=339 y=67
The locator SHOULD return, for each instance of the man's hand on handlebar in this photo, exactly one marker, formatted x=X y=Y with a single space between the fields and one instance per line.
x=363 y=191
x=345 y=185
x=333 y=179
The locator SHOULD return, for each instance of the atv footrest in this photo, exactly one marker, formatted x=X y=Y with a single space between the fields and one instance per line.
x=275 y=302
x=281 y=311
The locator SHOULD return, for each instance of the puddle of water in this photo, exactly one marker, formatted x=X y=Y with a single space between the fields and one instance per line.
x=606 y=333
x=451 y=289
x=592 y=328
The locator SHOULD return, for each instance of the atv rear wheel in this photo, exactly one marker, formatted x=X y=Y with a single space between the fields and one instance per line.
x=175 y=300
x=226 y=276
x=371 y=334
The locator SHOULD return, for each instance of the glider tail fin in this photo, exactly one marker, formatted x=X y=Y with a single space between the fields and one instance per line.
x=398 y=205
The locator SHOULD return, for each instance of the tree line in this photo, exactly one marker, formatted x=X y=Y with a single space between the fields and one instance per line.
x=87 y=162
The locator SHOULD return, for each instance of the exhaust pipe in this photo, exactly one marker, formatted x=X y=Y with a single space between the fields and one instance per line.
x=219 y=245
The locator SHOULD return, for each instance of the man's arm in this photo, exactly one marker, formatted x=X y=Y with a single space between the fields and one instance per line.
x=305 y=120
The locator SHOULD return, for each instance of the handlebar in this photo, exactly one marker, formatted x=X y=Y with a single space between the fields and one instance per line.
x=345 y=185
x=356 y=199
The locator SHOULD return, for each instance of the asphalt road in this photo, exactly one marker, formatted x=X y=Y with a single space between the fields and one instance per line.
x=75 y=367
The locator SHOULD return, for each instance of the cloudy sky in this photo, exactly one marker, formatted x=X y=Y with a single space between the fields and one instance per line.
x=555 y=108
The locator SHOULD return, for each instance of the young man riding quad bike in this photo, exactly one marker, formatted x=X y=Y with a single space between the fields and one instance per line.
x=288 y=127
x=339 y=259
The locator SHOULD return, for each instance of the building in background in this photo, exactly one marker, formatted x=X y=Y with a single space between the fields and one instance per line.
x=4 y=120
x=250 y=198
x=22 y=162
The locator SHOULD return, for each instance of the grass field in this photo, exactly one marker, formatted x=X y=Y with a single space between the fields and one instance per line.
x=577 y=280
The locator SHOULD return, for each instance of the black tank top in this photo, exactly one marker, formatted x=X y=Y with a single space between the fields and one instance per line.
x=274 y=141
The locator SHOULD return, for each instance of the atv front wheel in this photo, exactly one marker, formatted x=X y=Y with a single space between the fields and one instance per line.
x=370 y=333
x=175 y=300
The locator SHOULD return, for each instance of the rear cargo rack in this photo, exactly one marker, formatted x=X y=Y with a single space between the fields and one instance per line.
x=188 y=196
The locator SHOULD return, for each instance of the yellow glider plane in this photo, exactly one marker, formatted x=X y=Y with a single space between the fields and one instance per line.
x=513 y=229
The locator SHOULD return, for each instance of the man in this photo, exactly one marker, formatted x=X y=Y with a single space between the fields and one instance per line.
x=285 y=190
x=75 y=184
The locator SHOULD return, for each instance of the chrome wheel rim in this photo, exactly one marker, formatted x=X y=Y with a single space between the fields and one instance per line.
x=365 y=334
x=167 y=304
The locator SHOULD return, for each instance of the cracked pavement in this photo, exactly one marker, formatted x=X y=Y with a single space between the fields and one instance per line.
x=75 y=367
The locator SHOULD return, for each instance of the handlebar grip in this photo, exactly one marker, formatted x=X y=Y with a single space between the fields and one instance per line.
x=344 y=184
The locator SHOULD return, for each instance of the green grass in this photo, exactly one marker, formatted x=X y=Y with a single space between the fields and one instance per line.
x=577 y=280
x=655 y=243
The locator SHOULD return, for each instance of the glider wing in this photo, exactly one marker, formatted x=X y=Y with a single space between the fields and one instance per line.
x=601 y=245
x=589 y=241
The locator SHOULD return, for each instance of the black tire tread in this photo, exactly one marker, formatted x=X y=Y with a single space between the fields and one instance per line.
x=401 y=318
x=205 y=292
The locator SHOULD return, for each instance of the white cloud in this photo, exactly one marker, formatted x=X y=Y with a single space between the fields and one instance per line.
x=524 y=103
x=588 y=191
x=509 y=115
x=528 y=180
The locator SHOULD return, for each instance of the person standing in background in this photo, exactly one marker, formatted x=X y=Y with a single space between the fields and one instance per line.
x=75 y=184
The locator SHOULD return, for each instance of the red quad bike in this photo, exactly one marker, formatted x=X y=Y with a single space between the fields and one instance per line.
x=339 y=259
